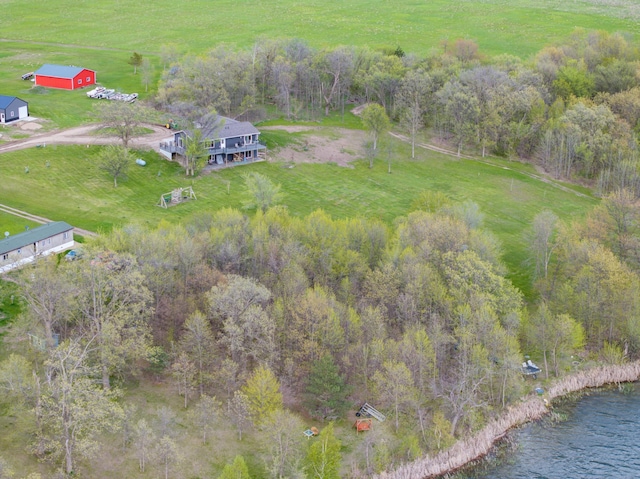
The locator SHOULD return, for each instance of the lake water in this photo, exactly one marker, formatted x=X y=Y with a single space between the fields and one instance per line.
x=600 y=438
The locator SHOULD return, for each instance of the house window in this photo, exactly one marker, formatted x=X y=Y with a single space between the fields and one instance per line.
x=19 y=250
x=48 y=240
x=247 y=139
x=13 y=113
x=65 y=235
x=88 y=79
x=79 y=81
x=5 y=257
x=249 y=154
x=42 y=243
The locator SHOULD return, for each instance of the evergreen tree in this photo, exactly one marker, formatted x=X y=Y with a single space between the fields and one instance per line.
x=326 y=390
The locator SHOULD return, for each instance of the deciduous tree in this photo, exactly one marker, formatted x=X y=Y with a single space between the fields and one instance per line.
x=144 y=439
x=324 y=458
x=205 y=414
x=184 y=373
x=115 y=160
x=74 y=409
x=198 y=342
x=239 y=412
x=375 y=119
x=262 y=391
x=236 y=470
x=121 y=119
x=262 y=192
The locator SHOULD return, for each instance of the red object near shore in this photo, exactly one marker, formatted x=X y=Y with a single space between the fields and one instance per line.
x=363 y=425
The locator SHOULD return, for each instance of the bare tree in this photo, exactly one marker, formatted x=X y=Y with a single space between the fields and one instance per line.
x=412 y=101
x=147 y=70
x=541 y=242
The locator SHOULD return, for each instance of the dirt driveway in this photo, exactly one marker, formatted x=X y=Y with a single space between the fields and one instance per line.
x=85 y=135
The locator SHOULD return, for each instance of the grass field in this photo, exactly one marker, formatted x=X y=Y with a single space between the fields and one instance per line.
x=64 y=108
x=103 y=35
x=73 y=189
x=197 y=25
x=13 y=224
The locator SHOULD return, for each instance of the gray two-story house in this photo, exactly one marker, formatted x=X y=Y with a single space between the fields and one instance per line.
x=232 y=142
x=25 y=247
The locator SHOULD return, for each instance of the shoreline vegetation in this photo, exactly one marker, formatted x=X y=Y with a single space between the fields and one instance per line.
x=533 y=408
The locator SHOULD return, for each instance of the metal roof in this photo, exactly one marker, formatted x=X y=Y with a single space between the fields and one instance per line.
x=59 y=71
x=40 y=233
x=5 y=100
x=238 y=128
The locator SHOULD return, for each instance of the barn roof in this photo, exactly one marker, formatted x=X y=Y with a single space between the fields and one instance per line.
x=25 y=238
x=58 y=71
x=5 y=100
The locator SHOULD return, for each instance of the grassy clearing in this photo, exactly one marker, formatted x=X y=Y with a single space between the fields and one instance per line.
x=78 y=192
x=416 y=26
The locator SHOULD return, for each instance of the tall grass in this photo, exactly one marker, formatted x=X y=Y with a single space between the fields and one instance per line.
x=478 y=445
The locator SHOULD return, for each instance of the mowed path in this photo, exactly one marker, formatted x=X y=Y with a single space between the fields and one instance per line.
x=444 y=151
x=82 y=135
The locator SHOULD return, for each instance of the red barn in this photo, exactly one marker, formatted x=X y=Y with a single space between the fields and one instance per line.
x=66 y=78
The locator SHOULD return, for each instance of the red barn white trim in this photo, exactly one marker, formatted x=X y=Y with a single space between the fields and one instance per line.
x=66 y=78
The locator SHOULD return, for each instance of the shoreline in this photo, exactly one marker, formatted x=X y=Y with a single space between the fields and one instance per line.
x=533 y=408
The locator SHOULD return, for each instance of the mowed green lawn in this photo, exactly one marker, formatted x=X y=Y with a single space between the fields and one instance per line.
x=13 y=224
x=518 y=27
x=65 y=108
x=75 y=190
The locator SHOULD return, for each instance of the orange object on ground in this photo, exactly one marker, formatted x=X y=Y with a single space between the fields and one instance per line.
x=363 y=425
x=315 y=431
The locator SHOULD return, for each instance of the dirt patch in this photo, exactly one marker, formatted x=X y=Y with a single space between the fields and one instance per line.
x=288 y=128
x=357 y=110
x=31 y=126
x=337 y=145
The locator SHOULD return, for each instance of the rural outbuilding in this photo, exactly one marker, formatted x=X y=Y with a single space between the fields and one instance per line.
x=12 y=108
x=66 y=78
x=25 y=247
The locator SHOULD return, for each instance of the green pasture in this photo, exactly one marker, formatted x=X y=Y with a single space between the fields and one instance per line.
x=72 y=188
x=65 y=108
x=519 y=27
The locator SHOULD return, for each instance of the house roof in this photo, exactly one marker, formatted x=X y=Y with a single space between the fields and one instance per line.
x=236 y=128
x=5 y=101
x=58 y=71
x=45 y=231
x=230 y=128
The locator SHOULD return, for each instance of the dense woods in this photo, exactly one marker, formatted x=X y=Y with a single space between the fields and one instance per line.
x=265 y=321
x=237 y=310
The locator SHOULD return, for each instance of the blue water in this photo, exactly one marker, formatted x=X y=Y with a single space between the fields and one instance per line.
x=599 y=439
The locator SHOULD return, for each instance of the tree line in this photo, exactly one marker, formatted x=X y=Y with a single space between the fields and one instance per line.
x=574 y=108
x=234 y=310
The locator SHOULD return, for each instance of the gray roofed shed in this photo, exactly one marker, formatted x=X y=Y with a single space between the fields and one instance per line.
x=34 y=235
